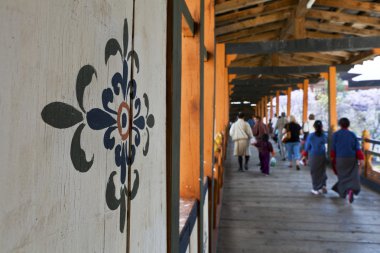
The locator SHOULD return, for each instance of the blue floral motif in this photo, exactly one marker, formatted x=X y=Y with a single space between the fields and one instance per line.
x=123 y=122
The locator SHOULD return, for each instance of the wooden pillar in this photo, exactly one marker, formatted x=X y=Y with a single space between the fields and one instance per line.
x=332 y=97
x=332 y=103
x=271 y=107
x=278 y=103
x=289 y=102
x=190 y=111
x=219 y=88
x=209 y=75
x=305 y=99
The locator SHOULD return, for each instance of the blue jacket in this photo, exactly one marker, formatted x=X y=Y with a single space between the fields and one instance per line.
x=345 y=143
x=315 y=145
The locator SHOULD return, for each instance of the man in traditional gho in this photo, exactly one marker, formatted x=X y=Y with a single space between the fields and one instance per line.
x=241 y=134
x=348 y=158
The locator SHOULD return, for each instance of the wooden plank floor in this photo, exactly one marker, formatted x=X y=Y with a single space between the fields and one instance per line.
x=279 y=214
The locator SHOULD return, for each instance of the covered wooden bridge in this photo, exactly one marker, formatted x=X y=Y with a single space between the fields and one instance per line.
x=249 y=53
x=115 y=118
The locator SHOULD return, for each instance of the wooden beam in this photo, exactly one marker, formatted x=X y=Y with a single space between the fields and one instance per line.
x=271 y=35
x=250 y=32
x=304 y=45
x=322 y=35
x=261 y=20
x=285 y=70
x=263 y=82
x=362 y=56
x=351 y=5
x=260 y=10
x=235 y=5
x=305 y=100
x=349 y=30
x=295 y=24
x=345 y=18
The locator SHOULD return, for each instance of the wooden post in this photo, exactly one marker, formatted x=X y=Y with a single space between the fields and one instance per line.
x=278 y=103
x=209 y=75
x=332 y=103
x=271 y=107
x=219 y=89
x=190 y=111
x=367 y=157
x=289 y=102
x=305 y=100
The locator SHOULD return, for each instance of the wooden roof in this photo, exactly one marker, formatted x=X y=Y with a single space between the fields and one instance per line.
x=247 y=21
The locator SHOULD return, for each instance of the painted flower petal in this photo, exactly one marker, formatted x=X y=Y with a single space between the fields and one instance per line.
x=122 y=209
x=135 y=185
x=83 y=80
x=135 y=59
x=120 y=160
x=107 y=98
x=132 y=87
x=116 y=79
x=137 y=136
x=137 y=107
x=146 y=148
x=112 y=47
x=131 y=156
x=125 y=78
x=150 y=121
x=77 y=154
x=109 y=142
x=146 y=102
x=98 y=119
x=139 y=122
x=61 y=115
x=111 y=200
x=125 y=37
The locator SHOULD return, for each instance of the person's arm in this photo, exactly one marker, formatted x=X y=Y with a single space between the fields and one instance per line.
x=359 y=152
x=232 y=130
x=307 y=148
x=271 y=150
x=333 y=154
x=249 y=130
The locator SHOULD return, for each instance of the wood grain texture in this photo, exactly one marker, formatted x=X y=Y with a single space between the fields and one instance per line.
x=278 y=214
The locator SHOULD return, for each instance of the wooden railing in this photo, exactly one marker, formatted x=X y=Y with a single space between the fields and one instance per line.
x=371 y=173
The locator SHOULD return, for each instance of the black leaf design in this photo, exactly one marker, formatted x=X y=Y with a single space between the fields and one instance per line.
x=135 y=59
x=122 y=209
x=146 y=102
x=136 y=184
x=61 y=115
x=112 y=202
x=112 y=47
x=83 y=79
x=78 y=156
x=125 y=37
x=146 y=148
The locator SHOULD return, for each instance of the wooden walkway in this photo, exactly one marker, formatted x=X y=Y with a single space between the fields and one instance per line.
x=279 y=214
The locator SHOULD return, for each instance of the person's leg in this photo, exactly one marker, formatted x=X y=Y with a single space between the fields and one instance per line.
x=246 y=162
x=240 y=162
x=289 y=150
x=266 y=158
x=283 y=151
x=297 y=154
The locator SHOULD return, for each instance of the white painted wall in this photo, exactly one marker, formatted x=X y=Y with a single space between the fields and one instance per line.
x=45 y=204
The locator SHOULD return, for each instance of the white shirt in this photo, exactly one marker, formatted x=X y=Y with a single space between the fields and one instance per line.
x=308 y=126
x=240 y=130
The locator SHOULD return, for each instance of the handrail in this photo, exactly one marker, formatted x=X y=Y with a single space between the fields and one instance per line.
x=368 y=152
x=371 y=175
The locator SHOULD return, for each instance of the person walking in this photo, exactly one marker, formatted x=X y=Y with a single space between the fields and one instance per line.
x=241 y=134
x=260 y=128
x=348 y=158
x=307 y=127
x=265 y=150
x=280 y=124
x=292 y=142
x=315 y=150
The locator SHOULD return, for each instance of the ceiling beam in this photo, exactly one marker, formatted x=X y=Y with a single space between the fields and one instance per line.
x=267 y=82
x=304 y=45
x=350 y=5
x=344 y=18
x=261 y=20
x=252 y=12
x=329 y=27
x=234 y=5
x=285 y=70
